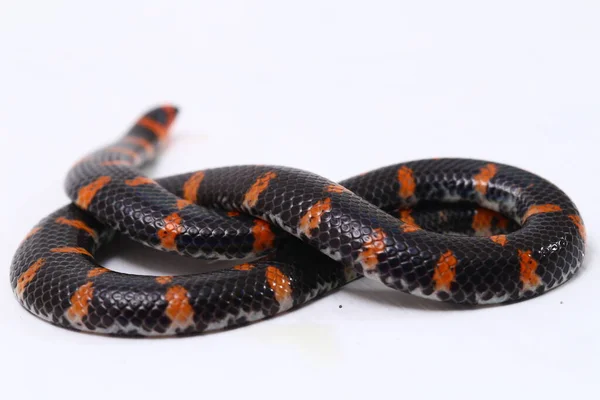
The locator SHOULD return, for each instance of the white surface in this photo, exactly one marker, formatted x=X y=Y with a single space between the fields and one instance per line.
x=338 y=88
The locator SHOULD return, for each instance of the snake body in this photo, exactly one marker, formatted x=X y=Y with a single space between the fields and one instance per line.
x=458 y=230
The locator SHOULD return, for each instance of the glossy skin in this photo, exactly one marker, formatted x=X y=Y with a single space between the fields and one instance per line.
x=416 y=227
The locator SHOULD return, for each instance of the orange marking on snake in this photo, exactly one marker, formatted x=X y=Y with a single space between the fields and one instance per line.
x=540 y=209
x=75 y=250
x=143 y=143
x=75 y=223
x=170 y=231
x=372 y=246
x=181 y=204
x=86 y=194
x=407 y=182
x=123 y=150
x=158 y=129
x=335 y=188
x=482 y=221
x=27 y=276
x=163 y=280
x=115 y=162
x=263 y=236
x=170 y=111
x=139 y=181
x=410 y=224
x=445 y=271
x=80 y=303
x=179 y=309
x=92 y=273
x=528 y=275
x=191 y=186
x=280 y=284
x=244 y=267
x=579 y=223
x=31 y=233
x=261 y=184
x=312 y=218
x=483 y=178
x=499 y=239
x=233 y=213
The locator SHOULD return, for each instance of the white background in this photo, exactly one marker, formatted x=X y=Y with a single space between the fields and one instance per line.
x=338 y=88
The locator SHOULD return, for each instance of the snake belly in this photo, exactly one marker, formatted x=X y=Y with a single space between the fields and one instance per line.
x=458 y=230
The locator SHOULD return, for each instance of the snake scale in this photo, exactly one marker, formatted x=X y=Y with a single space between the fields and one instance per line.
x=458 y=230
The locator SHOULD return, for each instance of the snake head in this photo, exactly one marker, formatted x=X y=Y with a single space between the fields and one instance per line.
x=159 y=120
x=164 y=115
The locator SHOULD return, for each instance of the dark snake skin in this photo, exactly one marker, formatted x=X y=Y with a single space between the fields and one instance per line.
x=458 y=230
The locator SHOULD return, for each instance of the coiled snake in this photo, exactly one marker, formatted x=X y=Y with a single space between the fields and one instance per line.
x=459 y=230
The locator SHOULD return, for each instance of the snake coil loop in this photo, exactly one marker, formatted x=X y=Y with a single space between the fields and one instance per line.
x=459 y=230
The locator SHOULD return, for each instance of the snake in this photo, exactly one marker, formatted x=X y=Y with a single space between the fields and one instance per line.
x=456 y=230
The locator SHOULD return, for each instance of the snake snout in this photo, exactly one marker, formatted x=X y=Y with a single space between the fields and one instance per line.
x=164 y=115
